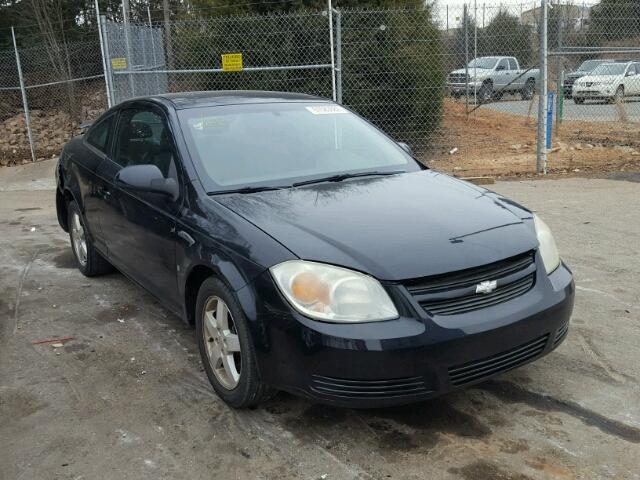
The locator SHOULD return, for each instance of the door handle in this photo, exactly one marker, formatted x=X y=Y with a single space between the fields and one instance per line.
x=186 y=237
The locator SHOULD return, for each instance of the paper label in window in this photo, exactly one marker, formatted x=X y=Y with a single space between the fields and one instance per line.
x=327 y=109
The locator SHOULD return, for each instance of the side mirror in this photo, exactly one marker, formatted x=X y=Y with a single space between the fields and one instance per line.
x=406 y=148
x=630 y=74
x=499 y=68
x=147 y=178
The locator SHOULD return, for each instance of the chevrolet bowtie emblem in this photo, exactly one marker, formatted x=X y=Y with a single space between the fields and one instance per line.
x=487 y=286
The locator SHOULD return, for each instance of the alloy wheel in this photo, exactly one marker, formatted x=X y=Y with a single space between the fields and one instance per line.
x=78 y=239
x=221 y=342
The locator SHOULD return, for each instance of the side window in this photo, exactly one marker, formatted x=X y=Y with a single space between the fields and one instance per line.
x=512 y=64
x=144 y=138
x=503 y=64
x=98 y=135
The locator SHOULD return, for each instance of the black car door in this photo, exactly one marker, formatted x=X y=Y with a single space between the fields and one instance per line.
x=97 y=143
x=139 y=227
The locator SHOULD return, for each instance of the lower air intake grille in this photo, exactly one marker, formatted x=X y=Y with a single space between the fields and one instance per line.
x=371 y=389
x=479 y=369
x=560 y=334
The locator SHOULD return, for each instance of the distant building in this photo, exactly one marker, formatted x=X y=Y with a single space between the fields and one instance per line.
x=577 y=16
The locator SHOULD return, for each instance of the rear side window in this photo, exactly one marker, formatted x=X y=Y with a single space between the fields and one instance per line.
x=503 y=65
x=98 y=136
x=512 y=64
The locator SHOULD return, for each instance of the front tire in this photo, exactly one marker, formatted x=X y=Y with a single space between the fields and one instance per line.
x=578 y=100
x=528 y=89
x=619 y=95
x=88 y=259
x=226 y=347
x=486 y=92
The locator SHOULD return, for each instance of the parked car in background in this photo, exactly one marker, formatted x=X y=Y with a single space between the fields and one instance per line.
x=491 y=77
x=311 y=252
x=584 y=69
x=611 y=82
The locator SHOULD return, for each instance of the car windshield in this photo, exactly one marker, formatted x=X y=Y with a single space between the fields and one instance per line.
x=610 y=69
x=483 y=62
x=589 y=65
x=278 y=144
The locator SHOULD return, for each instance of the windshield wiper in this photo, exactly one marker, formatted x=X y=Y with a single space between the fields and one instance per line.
x=344 y=176
x=246 y=190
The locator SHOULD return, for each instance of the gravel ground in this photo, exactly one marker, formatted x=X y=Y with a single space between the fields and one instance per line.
x=127 y=398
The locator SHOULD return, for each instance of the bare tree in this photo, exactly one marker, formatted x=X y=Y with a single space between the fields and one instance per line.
x=49 y=16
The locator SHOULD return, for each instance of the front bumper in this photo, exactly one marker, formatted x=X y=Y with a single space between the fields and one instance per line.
x=607 y=91
x=461 y=88
x=409 y=359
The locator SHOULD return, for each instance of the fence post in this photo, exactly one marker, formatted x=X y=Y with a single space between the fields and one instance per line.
x=338 y=56
x=541 y=150
x=153 y=51
x=23 y=90
x=475 y=47
x=104 y=56
x=331 y=45
x=127 y=45
x=465 y=21
x=107 y=63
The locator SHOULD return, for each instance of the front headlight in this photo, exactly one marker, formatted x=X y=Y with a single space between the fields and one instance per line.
x=548 y=249
x=333 y=294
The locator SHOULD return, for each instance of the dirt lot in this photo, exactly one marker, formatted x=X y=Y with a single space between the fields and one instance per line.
x=503 y=144
x=126 y=397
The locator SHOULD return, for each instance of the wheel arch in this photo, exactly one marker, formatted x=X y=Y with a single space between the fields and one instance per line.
x=225 y=271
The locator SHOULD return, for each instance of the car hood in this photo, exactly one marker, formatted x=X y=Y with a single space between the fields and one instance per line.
x=396 y=227
x=600 y=78
x=576 y=74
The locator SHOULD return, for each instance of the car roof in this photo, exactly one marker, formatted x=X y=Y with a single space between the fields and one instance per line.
x=184 y=100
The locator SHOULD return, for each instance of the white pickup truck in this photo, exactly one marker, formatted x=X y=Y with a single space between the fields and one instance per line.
x=491 y=77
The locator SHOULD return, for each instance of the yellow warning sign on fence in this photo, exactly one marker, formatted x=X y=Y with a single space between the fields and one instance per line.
x=119 y=63
x=232 y=62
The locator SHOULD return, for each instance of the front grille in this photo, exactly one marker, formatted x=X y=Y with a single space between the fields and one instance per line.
x=457 y=78
x=368 y=389
x=455 y=293
x=477 y=370
x=560 y=334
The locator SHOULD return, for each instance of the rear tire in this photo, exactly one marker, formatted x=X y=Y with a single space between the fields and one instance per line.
x=88 y=260
x=226 y=348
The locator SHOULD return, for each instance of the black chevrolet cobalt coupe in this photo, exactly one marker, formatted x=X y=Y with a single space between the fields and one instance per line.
x=310 y=251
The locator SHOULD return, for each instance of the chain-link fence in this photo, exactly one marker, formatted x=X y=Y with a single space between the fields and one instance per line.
x=464 y=85
x=14 y=143
x=62 y=86
x=279 y=52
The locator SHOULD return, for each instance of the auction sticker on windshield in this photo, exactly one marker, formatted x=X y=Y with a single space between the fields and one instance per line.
x=327 y=109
